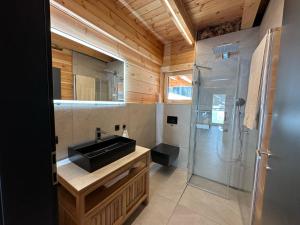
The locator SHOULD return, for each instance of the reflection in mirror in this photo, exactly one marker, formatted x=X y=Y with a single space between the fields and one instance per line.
x=84 y=74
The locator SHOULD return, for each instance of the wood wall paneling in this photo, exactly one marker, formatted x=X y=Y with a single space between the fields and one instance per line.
x=62 y=59
x=142 y=84
x=106 y=15
x=140 y=71
x=214 y=12
x=178 y=54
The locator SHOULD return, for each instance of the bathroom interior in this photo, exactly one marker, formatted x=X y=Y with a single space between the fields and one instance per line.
x=162 y=109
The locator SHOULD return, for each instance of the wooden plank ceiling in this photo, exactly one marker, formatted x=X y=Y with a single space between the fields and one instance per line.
x=153 y=15
x=156 y=17
x=205 y=13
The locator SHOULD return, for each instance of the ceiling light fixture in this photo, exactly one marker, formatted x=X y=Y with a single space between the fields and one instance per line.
x=182 y=30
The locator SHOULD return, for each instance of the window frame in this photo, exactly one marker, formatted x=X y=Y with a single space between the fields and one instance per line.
x=212 y=109
x=166 y=86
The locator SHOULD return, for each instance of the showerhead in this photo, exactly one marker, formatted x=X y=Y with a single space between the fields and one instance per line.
x=240 y=102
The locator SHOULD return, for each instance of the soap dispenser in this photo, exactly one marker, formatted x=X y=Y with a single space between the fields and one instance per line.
x=125 y=132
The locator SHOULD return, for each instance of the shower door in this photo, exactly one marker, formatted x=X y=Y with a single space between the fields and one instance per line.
x=213 y=125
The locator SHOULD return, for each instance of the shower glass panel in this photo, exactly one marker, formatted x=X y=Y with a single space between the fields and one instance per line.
x=213 y=125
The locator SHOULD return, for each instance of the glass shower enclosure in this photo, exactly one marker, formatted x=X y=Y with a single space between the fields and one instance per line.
x=218 y=141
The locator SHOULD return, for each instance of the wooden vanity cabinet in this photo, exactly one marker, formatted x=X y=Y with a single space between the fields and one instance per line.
x=107 y=196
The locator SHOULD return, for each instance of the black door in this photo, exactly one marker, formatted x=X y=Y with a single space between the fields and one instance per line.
x=282 y=191
x=28 y=194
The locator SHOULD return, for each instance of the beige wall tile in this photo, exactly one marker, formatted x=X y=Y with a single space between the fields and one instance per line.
x=142 y=124
x=63 y=129
x=77 y=123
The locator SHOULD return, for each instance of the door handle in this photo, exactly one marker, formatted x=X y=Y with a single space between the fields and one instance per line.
x=266 y=152
x=268 y=167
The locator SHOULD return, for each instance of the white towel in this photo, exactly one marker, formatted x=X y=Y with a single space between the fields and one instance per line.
x=253 y=98
x=85 y=88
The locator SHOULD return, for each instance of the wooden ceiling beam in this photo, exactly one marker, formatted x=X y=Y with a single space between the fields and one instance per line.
x=249 y=13
x=181 y=19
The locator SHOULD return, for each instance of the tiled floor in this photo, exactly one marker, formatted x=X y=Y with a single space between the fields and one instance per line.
x=174 y=203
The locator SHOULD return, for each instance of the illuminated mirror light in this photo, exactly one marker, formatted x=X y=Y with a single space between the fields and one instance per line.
x=59 y=102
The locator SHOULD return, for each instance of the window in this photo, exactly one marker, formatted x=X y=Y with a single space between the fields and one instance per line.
x=218 y=109
x=179 y=87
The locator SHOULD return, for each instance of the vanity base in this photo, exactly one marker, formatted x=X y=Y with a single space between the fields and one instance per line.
x=122 y=186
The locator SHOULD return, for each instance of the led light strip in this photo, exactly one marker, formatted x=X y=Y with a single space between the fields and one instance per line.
x=84 y=43
x=93 y=26
x=178 y=22
x=72 y=38
x=58 y=102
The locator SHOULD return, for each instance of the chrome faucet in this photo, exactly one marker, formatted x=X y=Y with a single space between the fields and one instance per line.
x=99 y=133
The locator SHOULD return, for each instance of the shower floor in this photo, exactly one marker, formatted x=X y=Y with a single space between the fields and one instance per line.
x=210 y=186
x=243 y=198
x=172 y=202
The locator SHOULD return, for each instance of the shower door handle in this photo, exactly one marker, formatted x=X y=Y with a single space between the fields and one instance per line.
x=266 y=152
x=268 y=167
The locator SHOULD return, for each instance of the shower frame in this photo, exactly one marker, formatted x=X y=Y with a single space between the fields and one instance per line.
x=193 y=129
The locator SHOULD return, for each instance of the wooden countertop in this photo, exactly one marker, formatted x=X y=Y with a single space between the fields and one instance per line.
x=79 y=179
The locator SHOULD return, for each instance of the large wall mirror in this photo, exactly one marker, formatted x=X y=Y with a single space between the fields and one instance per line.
x=81 y=73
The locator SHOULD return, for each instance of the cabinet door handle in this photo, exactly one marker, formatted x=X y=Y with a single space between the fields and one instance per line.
x=54 y=170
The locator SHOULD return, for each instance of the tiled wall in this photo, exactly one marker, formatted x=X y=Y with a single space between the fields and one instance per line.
x=177 y=135
x=77 y=123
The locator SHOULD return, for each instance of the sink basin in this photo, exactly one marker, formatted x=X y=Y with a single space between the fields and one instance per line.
x=94 y=155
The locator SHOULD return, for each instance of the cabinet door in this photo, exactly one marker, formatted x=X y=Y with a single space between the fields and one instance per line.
x=135 y=191
x=110 y=214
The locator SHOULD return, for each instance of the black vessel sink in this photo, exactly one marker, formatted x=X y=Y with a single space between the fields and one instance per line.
x=94 y=155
